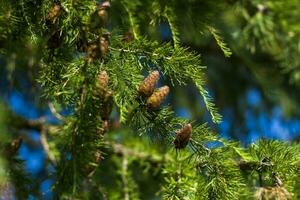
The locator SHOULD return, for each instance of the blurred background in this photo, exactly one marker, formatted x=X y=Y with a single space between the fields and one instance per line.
x=256 y=89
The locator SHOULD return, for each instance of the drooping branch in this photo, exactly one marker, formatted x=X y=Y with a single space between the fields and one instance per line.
x=19 y=123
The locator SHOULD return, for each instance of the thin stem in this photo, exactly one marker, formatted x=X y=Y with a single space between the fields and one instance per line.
x=54 y=111
x=45 y=146
x=124 y=177
x=139 y=51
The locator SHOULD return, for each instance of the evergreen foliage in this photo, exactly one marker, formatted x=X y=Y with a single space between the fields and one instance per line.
x=118 y=143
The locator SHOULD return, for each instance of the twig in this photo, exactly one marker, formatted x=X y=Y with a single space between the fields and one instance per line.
x=45 y=146
x=124 y=177
x=139 y=51
x=54 y=111
x=18 y=123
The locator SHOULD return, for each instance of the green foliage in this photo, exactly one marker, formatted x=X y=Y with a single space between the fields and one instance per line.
x=271 y=27
x=277 y=157
x=12 y=174
x=221 y=177
x=177 y=64
x=181 y=180
x=99 y=154
x=220 y=42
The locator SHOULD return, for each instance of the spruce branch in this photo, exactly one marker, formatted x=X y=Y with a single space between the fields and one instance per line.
x=178 y=64
x=131 y=8
x=171 y=18
x=226 y=50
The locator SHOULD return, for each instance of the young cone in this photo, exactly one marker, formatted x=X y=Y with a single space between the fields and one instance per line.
x=128 y=36
x=146 y=88
x=103 y=44
x=272 y=193
x=183 y=136
x=107 y=105
x=102 y=82
x=157 y=97
x=54 y=13
x=103 y=13
x=92 y=52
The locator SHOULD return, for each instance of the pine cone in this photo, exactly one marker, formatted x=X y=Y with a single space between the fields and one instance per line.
x=128 y=36
x=157 y=97
x=98 y=49
x=92 y=52
x=107 y=105
x=102 y=12
x=146 y=88
x=183 y=136
x=105 y=126
x=104 y=95
x=272 y=193
x=103 y=44
x=54 y=13
x=102 y=82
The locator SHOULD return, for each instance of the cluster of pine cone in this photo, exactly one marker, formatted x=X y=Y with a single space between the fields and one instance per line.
x=54 y=13
x=155 y=98
x=95 y=49
x=146 y=89
x=99 y=48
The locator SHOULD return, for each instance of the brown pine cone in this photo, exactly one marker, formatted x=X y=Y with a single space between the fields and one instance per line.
x=183 y=136
x=54 y=13
x=157 y=97
x=147 y=87
x=102 y=82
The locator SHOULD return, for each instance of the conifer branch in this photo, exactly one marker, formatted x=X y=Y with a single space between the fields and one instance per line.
x=46 y=147
x=92 y=72
x=54 y=111
x=178 y=64
x=170 y=15
x=226 y=50
x=133 y=20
